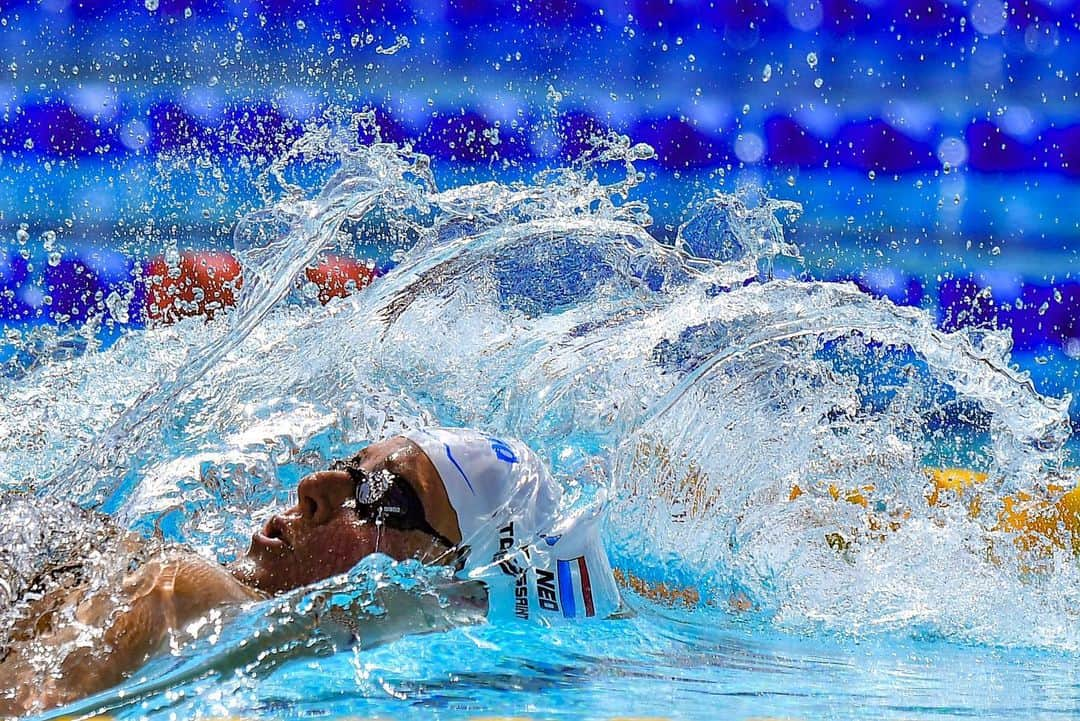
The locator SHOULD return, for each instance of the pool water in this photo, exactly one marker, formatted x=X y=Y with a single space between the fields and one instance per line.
x=688 y=392
x=663 y=663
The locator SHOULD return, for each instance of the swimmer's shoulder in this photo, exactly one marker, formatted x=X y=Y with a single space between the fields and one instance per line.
x=163 y=593
x=187 y=585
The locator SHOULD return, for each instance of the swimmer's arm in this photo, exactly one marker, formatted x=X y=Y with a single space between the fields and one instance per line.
x=289 y=633
x=393 y=613
x=119 y=631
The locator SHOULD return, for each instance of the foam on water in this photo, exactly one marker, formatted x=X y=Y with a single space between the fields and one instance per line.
x=685 y=384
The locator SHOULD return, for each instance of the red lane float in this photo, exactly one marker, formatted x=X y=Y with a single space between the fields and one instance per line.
x=338 y=276
x=202 y=283
x=206 y=281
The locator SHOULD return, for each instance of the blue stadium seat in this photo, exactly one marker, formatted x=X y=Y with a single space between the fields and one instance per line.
x=990 y=149
x=788 y=143
x=875 y=145
x=681 y=145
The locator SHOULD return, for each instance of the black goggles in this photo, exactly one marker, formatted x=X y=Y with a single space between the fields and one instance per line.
x=384 y=497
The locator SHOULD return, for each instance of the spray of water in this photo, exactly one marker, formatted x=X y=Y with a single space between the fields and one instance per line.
x=685 y=383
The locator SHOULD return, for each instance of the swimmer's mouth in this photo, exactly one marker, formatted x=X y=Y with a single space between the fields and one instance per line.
x=272 y=535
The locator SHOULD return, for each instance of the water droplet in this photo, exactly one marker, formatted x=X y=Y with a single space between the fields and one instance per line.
x=22 y=234
x=791 y=180
x=151 y=5
x=818 y=82
x=400 y=42
x=811 y=60
x=118 y=307
x=746 y=109
x=54 y=258
x=301 y=25
x=872 y=175
x=766 y=74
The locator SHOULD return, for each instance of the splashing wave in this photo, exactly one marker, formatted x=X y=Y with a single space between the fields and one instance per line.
x=685 y=384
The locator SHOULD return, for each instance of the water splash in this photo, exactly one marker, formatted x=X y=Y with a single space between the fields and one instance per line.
x=685 y=382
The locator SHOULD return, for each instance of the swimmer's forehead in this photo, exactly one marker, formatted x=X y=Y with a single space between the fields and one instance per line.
x=398 y=455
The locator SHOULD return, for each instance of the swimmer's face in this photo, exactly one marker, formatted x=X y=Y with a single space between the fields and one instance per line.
x=322 y=536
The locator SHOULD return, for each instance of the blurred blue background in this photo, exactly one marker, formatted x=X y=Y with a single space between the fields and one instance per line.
x=934 y=144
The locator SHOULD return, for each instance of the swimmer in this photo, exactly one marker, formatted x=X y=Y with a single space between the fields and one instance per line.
x=454 y=497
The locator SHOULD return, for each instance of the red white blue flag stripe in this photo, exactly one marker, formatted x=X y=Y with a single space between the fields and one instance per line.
x=574 y=585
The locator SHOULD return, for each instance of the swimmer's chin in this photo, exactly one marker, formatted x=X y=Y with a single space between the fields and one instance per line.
x=247 y=572
x=252 y=573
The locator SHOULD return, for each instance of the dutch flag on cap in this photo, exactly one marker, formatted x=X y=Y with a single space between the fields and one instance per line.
x=575 y=588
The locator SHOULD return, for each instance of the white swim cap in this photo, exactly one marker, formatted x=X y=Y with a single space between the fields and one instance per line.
x=536 y=565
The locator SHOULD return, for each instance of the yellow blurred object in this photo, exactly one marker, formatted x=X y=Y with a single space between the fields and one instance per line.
x=1037 y=522
x=1040 y=522
x=1068 y=507
x=953 y=481
x=1043 y=522
x=853 y=496
x=857 y=496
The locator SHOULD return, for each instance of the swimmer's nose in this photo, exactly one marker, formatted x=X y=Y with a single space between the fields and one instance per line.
x=322 y=494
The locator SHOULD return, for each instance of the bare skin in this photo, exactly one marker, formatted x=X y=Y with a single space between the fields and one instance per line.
x=165 y=594
x=319 y=537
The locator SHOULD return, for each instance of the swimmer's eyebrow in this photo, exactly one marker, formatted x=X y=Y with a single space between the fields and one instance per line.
x=399 y=462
